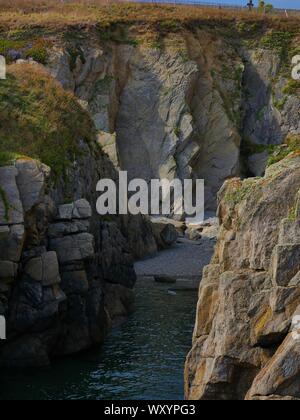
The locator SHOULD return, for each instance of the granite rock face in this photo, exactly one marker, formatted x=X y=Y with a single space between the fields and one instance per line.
x=246 y=340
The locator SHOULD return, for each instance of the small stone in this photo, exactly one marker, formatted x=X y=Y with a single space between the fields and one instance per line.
x=82 y=209
x=65 y=212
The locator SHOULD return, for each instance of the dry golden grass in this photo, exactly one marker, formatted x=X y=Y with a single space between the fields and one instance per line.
x=57 y=14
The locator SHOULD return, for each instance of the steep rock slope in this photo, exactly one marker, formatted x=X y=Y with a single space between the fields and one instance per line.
x=244 y=342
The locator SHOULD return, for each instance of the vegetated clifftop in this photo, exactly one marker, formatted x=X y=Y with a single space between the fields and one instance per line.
x=244 y=344
x=171 y=95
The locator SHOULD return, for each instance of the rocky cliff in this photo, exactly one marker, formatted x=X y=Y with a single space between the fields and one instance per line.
x=66 y=274
x=169 y=98
x=207 y=103
x=245 y=342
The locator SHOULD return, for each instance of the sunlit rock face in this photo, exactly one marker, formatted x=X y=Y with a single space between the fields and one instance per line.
x=245 y=341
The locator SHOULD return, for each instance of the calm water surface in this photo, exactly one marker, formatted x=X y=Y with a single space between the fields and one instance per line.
x=142 y=359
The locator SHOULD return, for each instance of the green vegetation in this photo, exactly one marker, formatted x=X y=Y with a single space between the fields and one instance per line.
x=290 y=147
x=276 y=152
x=184 y=55
x=157 y=44
x=260 y=114
x=240 y=192
x=40 y=120
x=74 y=53
x=34 y=48
x=292 y=87
x=38 y=54
x=292 y=216
x=281 y=103
x=177 y=131
x=264 y=7
x=277 y=40
x=56 y=14
x=7 y=158
x=9 y=44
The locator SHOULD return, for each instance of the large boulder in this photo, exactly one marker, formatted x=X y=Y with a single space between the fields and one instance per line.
x=165 y=234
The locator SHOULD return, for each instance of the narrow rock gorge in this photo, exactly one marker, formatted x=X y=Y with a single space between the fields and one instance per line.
x=171 y=98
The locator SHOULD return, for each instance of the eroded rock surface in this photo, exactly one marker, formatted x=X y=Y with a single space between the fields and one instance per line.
x=245 y=342
x=184 y=110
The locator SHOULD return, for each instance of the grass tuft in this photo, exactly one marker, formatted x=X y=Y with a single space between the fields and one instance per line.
x=40 y=120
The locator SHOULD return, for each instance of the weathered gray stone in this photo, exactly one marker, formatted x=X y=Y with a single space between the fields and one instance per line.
x=285 y=263
x=82 y=209
x=165 y=234
x=257 y=163
x=115 y=259
x=11 y=242
x=11 y=209
x=31 y=181
x=73 y=248
x=57 y=230
x=44 y=269
x=65 y=212
x=289 y=232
